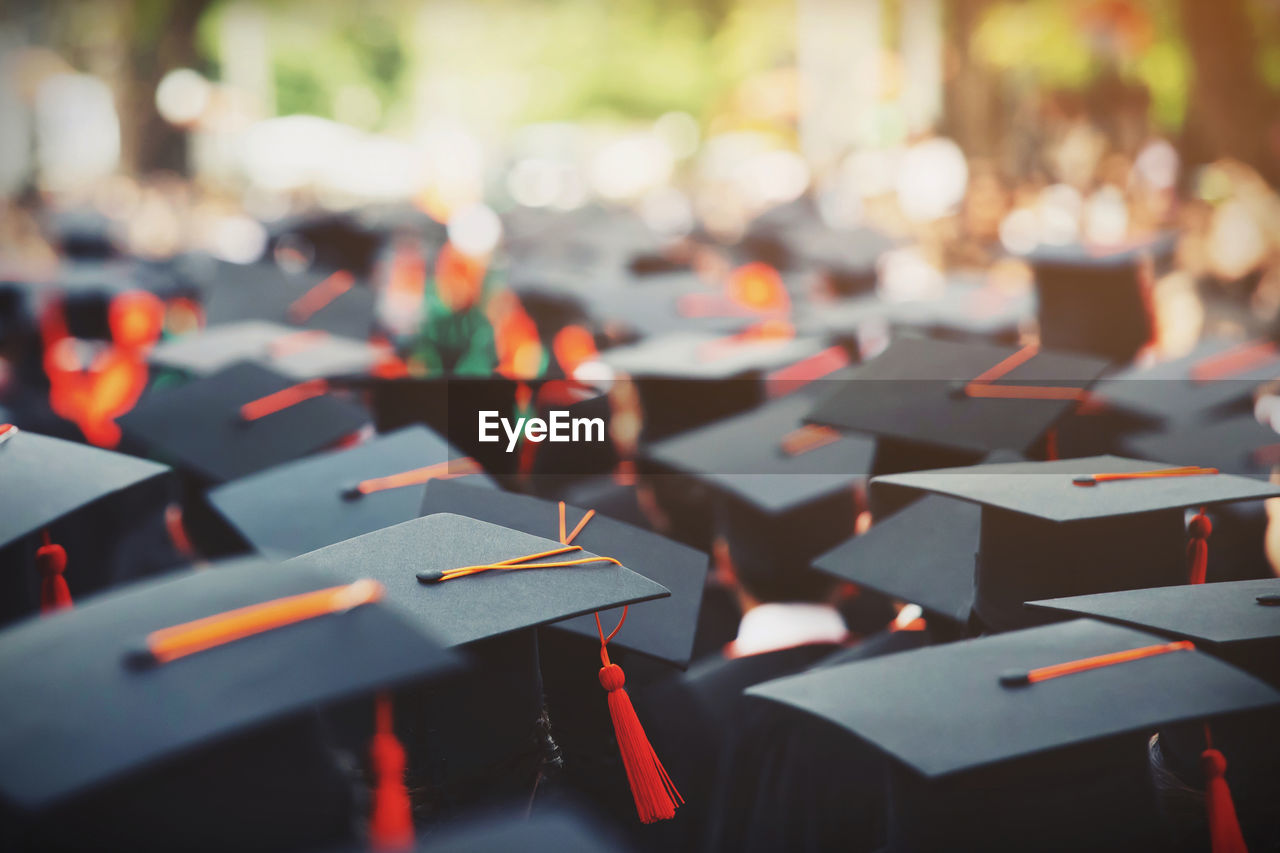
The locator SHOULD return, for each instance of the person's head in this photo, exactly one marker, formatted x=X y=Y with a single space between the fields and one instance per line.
x=771 y=554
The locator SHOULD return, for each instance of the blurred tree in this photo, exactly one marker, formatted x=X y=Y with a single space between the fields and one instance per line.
x=162 y=37
x=1232 y=111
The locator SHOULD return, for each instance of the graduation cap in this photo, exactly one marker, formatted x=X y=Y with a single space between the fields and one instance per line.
x=449 y=405
x=467 y=580
x=1096 y=524
x=663 y=629
x=769 y=458
x=689 y=379
x=923 y=554
x=936 y=404
x=1215 y=376
x=83 y=234
x=296 y=353
x=1097 y=301
x=182 y=670
x=1235 y=445
x=329 y=241
x=242 y=419
x=1215 y=616
x=660 y=305
x=335 y=301
x=48 y=480
x=304 y=505
x=971 y=397
x=1000 y=742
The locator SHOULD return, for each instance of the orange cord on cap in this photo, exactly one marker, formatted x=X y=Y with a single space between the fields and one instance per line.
x=305 y=306
x=1044 y=673
x=391 y=815
x=51 y=561
x=283 y=399
x=178 y=641
x=807 y=438
x=7 y=431
x=1198 y=532
x=1233 y=361
x=981 y=386
x=1184 y=471
x=513 y=564
x=440 y=471
x=295 y=342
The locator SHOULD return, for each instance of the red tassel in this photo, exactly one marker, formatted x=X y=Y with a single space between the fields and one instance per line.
x=655 y=794
x=391 y=818
x=1051 y=445
x=1198 y=546
x=51 y=560
x=1224 y=826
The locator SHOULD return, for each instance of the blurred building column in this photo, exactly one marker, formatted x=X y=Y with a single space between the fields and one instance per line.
x=838 y=54
x=921 y=46
x=245 y=55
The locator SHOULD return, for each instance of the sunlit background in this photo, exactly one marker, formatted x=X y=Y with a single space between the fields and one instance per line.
x=972 y=128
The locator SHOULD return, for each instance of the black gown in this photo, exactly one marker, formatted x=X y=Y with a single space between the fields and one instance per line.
x=693 y=721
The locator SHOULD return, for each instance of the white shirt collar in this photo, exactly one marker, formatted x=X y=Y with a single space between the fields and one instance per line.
x=774 y=626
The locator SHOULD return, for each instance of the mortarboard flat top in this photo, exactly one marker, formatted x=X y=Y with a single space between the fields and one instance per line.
x=48 y=478
x=690 y=355
x=663 y=629
x=265 y=292
x=944 y=710
x=656 y=306
x=1048 y=490
x=59 y=667
x=1236 y=445
x=1228 y=612
x=484 y=605
x=1216 y=373
x=923 y=554
x=915 y=391
x=755 y=456
x=199 y=426
x=298 y=354
x=301 y=506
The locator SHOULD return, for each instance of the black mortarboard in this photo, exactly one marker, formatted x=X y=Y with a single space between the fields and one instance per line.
x=1097 y=302
x=330 y=241
x=450 y=405
x=923 y=391
x=953 y=708
x=456 y=577
x=663 y=629
x=335 y=301
x=155 y=694
x=83 y=234
x=298 y=354
x=204 y=427
x=1217 y=615
x=769 y=458
x=1214 y=376
x=48 y=478
x=1045 y=532
x=491 y=603
x=922 y=554
x=659 y=305
x=689 y=379
x=1235 y=445
x=304 y=505
x=992 y=751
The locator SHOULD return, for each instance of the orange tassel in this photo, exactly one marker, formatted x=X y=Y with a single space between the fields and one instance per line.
x=1224 y=826
x=51 y=560
x=655 y=794
x=1198 y=546
x=391 y=818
